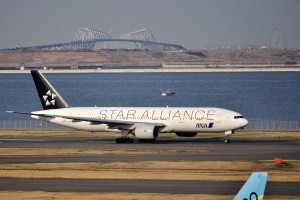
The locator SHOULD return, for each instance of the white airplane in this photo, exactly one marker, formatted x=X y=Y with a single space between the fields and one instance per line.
x=254 y=188
x=146 y=123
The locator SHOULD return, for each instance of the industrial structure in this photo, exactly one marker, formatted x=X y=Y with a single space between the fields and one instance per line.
x=277 y=39
x=276 y=42
x=86 y=38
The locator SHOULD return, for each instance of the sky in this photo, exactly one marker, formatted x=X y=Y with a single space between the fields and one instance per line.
x=191 y=23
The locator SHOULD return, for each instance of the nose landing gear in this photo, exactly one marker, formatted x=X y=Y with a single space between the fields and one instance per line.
x=227 y=134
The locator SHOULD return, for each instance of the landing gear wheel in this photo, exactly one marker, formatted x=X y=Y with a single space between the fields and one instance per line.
x=147 y=140
x=124 y=140
x=130 y=140
x=227 y=136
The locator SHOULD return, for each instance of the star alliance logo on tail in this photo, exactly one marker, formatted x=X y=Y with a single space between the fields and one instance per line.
x=49 y=98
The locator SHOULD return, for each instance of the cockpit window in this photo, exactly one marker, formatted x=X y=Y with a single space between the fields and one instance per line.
x=238 y=117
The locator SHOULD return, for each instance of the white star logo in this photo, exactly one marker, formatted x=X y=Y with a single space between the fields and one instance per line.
x=49 y=98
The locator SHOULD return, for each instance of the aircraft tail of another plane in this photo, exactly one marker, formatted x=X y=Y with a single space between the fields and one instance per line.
x=49 y=97
x=254 y=188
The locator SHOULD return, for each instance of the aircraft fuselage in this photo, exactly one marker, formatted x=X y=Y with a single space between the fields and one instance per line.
x=176 y=119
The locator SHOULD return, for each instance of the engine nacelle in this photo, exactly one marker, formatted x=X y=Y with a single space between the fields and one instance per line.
x=146 y=131
x=186 y=134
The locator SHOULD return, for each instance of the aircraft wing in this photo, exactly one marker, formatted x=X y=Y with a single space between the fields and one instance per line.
x=109 y=122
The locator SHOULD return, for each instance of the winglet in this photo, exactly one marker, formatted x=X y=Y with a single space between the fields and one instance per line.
x=254 y=188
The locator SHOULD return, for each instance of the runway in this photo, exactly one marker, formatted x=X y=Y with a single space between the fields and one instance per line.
x=212 y=149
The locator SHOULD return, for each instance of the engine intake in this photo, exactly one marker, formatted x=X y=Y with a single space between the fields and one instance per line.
x=146 y=132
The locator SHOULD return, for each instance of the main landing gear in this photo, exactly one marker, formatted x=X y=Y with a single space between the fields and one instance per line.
x=124 y=140
x=227 y=134
x=147 y=140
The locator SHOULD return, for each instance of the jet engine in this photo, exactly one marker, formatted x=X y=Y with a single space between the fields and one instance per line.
x=146 y=131
x=186 y=134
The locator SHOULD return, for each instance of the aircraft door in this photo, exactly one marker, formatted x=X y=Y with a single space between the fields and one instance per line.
x=219 y=117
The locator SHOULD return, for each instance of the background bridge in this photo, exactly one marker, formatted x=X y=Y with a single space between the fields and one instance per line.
x=86 y=38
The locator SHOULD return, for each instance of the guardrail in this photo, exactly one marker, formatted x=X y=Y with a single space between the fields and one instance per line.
x=268 y=125
x=228 y=64
x=239 y=63
x=61 y=66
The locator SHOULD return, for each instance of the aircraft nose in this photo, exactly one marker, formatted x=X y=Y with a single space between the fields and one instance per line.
x=241 y=123
x=244 y=122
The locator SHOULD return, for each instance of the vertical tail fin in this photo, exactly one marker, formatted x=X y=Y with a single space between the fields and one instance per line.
x=254 y=188
x=49 y=97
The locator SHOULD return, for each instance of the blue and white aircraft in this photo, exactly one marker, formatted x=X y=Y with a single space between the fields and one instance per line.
x=146 y=123
x=254 y=188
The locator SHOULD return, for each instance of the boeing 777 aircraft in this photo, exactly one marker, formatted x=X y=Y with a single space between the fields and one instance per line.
x=254 y=188
x=145 y=123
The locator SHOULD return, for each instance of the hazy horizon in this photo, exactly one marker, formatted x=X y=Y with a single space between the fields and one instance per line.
x=191 y=23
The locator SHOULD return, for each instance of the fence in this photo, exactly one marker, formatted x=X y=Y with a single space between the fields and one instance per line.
x=30 y=125
x=271 y=125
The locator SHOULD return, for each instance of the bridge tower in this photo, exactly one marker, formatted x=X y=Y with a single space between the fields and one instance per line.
x=88 y=36
x=144 y=35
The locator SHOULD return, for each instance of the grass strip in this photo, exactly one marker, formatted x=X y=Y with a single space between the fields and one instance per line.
x=289 y=171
